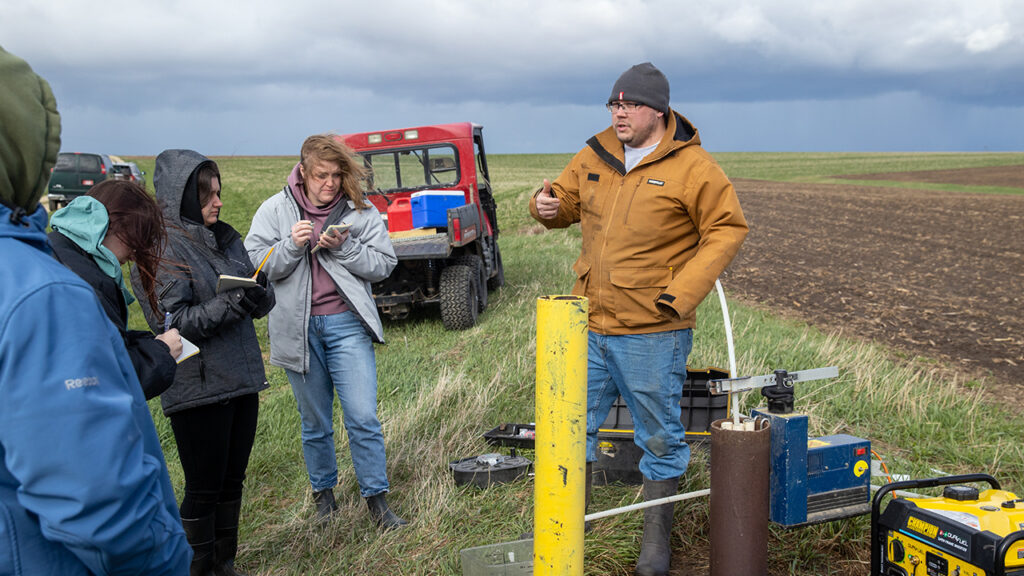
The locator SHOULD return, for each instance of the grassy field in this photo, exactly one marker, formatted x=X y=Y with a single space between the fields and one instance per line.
x=440 y=391
x=823 y=166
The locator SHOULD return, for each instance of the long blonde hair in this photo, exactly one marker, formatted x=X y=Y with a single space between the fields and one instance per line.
x=326 y=148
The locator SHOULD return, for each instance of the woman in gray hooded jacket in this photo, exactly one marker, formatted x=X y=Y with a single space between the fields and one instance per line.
x=324 y=330
x=213 y=402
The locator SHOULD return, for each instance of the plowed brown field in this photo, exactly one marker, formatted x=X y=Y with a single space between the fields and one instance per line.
x=935 y=274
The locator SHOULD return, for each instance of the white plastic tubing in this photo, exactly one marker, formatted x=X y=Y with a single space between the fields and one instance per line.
x=732 y=351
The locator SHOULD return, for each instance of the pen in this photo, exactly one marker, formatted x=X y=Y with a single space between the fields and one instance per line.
x=167 y=321
x=264 y=262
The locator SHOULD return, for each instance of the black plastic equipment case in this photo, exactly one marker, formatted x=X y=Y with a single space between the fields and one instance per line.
x=618 y=457
x=699 y=407
x=514 y=435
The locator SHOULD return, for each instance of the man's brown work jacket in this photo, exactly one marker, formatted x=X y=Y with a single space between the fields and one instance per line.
x=659 y=234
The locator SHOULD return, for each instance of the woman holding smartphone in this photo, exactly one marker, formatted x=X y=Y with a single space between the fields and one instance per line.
x=323 y=332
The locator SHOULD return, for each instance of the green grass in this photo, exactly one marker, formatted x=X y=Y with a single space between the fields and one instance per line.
x=822 y=167
x=440 y=391
x=813 y=166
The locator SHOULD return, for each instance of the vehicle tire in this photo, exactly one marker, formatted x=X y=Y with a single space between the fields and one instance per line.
x=54 y=205
x=459 y=300
x=475 y=263
x=498 y=280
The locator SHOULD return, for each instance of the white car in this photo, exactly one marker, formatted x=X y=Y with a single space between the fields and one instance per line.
x=129 y=171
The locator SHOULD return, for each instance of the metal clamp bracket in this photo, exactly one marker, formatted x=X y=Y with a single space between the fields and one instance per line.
x=776 y=387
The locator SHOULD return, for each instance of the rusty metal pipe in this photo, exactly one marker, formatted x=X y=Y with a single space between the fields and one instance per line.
x=740 y=474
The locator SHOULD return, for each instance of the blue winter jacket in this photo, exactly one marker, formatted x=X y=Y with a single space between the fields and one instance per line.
x=83 y=483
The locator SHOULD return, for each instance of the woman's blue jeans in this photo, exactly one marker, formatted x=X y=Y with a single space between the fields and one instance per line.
x=342 y=360
x=648 y=371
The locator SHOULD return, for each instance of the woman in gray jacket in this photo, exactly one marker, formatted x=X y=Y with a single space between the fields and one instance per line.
x=213 y=402
x=323 y=331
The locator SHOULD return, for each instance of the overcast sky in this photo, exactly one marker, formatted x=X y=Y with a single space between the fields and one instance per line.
x=258 y=76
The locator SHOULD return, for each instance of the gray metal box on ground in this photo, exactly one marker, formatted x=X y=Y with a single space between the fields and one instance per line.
x=503 y=559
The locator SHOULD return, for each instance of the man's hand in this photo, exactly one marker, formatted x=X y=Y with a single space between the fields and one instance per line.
x=547 y=202
x=301 y=232
x=173 y=340
x=667 y=311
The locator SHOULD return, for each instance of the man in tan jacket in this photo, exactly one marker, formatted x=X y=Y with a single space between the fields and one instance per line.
x=660 y=222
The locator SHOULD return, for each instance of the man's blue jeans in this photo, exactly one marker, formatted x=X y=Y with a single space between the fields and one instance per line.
x=342 y=360
x=648 y=371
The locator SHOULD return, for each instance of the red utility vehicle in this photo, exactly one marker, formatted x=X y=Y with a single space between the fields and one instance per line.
x=432 y=186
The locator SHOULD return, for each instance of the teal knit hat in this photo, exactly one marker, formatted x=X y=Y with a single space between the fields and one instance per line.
x=85 y=222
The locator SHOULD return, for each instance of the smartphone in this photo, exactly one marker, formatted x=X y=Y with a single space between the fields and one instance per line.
x=333 y=230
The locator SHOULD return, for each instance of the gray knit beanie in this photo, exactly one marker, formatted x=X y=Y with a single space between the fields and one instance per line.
x=642 y=83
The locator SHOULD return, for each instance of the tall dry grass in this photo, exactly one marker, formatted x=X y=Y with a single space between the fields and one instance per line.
x=440 y=391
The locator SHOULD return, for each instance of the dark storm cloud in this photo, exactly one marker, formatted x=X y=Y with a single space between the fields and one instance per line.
x=291 y=67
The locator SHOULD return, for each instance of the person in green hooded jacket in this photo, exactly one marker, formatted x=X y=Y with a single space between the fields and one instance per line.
x=84 y=489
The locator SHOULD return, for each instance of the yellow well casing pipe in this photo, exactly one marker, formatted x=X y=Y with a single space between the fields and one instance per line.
x=561 y=428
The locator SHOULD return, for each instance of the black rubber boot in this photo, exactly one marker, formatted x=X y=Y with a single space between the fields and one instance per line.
x=325 y=504
x=656 y=551
x=588 y=486
x=382 y=514
x=226 y=533
x=200 y=535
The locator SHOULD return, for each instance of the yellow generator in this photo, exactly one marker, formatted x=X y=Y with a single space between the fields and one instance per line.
x=965 y=532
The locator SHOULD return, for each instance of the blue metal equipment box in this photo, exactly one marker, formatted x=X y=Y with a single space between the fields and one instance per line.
x=815 y=479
